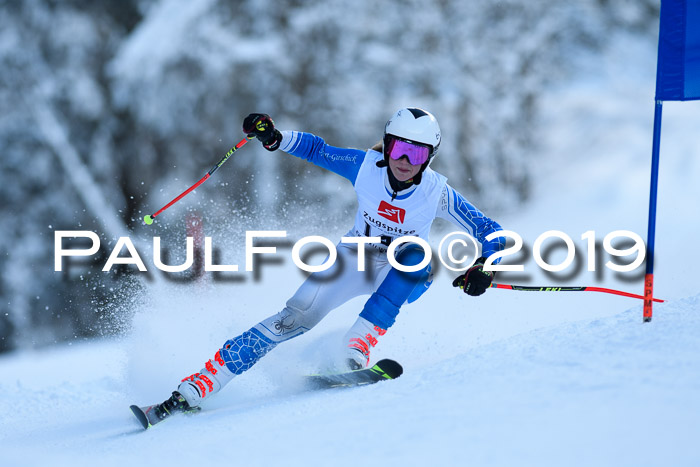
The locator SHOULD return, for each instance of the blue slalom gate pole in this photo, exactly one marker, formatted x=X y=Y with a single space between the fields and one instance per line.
x=651 y=232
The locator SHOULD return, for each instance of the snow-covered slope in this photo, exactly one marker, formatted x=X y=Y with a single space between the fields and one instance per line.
x=506 y=379
x=610 y=391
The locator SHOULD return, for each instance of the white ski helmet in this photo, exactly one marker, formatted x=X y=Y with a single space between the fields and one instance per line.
x=417 y=125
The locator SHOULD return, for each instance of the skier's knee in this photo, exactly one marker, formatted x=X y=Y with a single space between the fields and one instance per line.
x=417 y=281
x=422 y=285
x=288 y=323
x=411 y=255
x=383 y=306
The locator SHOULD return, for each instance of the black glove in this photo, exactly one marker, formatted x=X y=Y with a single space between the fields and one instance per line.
x=475 y=280
x=262 y=127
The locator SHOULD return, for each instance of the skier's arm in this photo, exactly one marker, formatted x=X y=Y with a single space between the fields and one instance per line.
x=344 y=162
x=455 y=208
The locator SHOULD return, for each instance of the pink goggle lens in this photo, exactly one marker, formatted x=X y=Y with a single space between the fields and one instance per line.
x=417 y=154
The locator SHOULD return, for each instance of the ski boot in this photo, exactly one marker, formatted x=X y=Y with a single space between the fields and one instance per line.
x=360 y=339
x=153 y=414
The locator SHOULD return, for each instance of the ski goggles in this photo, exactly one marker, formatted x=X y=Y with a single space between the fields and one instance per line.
x=418 y=154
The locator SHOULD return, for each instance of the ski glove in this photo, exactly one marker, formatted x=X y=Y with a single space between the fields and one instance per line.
x=262 y=127
x=475 y=280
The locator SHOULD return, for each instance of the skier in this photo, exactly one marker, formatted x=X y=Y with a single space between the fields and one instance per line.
x=398 y=194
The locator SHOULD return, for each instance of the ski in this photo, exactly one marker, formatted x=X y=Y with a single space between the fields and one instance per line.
x=151 y=415
x=383 y=370
x=386 y=369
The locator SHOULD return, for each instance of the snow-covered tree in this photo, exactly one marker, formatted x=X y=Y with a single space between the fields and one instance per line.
x=146 y=95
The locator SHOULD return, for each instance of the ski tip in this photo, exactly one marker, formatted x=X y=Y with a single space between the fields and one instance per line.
x=140 y=416
x=391 y=367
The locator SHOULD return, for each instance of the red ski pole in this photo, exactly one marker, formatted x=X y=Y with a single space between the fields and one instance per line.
x=148 y=219
x=570 y=289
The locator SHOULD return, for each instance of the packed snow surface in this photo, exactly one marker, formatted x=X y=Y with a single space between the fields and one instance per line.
x=608 y=391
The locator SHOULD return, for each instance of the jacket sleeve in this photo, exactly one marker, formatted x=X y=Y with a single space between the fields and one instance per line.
x=455 y=208
x=342 y=161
